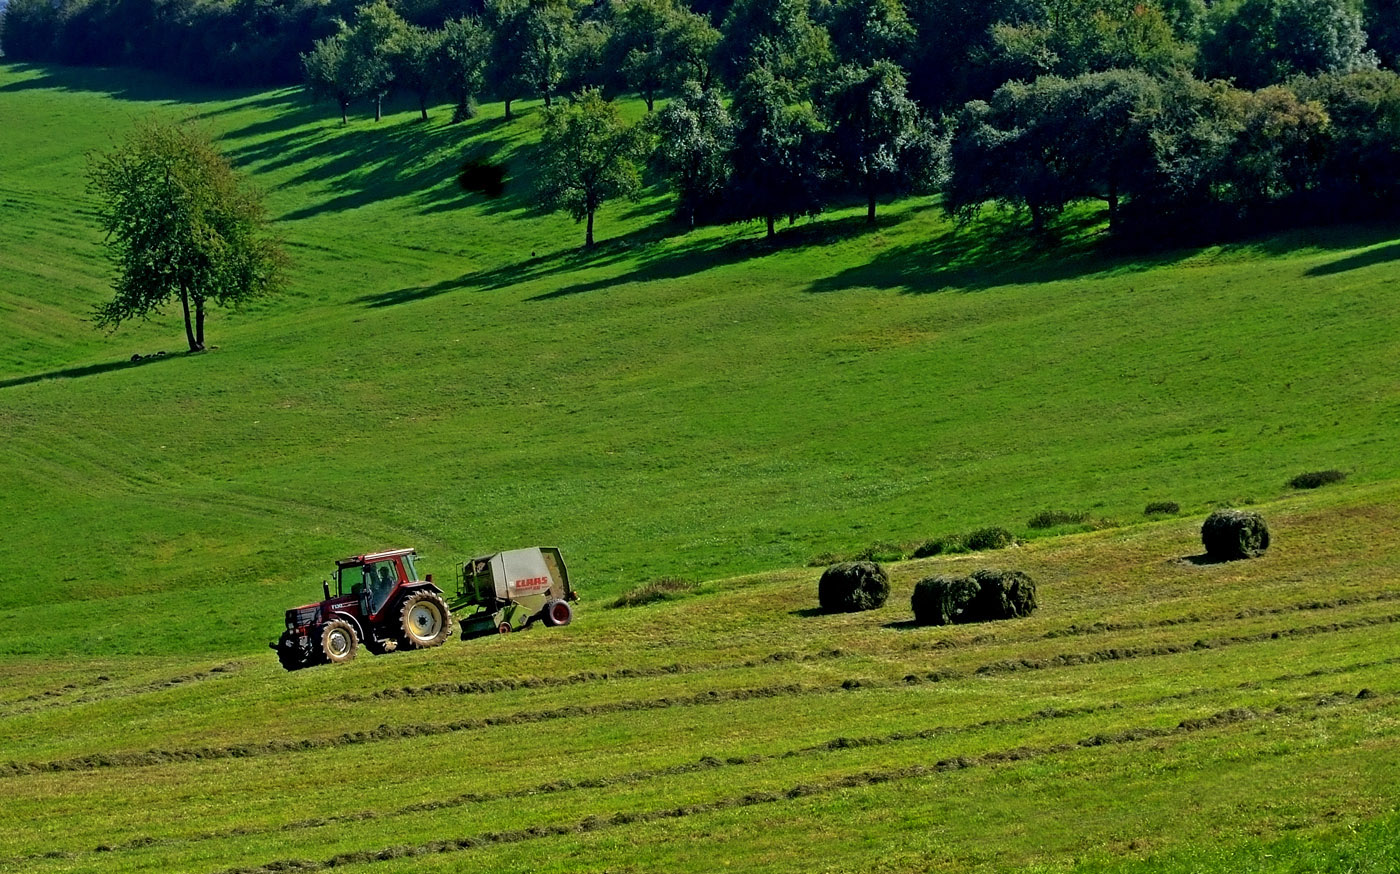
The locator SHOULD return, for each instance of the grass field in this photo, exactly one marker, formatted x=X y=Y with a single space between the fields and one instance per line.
x=453 y=374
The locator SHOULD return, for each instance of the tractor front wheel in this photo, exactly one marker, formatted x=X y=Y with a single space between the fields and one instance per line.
x=338 y=641
x=290 y=655
x=424 y=620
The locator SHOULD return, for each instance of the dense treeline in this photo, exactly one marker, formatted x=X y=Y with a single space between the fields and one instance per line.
x=1207 y=111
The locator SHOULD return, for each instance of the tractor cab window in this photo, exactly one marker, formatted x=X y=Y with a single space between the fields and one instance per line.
x=409 y=568
x=381 y=577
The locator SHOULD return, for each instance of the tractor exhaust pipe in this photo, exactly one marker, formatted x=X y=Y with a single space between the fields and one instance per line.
x=326 y=587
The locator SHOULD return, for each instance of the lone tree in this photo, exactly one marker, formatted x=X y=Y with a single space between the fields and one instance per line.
x=180 y=223
x=589 y=156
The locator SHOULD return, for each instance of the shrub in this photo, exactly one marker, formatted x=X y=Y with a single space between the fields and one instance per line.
x=853 y=586
x=1234 y=534
x=941 y=546
x=1162 y=508
x=882 y=552
x=989 y=538
x=665 y=589
x=985 y=596
x=483 y=177
x=1316 y=479
x=1051 y=518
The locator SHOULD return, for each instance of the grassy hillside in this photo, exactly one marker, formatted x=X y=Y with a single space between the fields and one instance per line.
x=451 y=373
x=1155 y=714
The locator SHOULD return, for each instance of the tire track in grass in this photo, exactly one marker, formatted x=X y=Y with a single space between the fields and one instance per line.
x=487 y=687
x=1122 y=737
x=387 y=732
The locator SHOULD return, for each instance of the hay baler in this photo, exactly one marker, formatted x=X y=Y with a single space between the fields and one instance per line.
x=507 y=591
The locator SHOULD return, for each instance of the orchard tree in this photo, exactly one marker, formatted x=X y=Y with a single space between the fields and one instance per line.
x=657 y=45
x=1263 y=42
x=460 y=64
x=695 y=137
x=505 y=22
x=372 y=47
x=328 y=73
x=548 y=31
x=589 y=157
x=777 y=153
x=180 y=223
x=416 y=68
x=865 y=31
x=878 y=139
x=777 y=35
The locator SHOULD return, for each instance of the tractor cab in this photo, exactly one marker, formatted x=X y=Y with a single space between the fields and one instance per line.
x=373 y=579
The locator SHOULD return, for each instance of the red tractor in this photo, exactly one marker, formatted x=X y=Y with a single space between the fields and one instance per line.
x=380 y=602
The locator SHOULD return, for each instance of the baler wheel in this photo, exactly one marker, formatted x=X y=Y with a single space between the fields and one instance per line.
x=338 y=641
x=424 y=621
x=557 y=613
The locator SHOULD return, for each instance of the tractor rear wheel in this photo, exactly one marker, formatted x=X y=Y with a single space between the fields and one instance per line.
x=338 y=641
x=424 y=621
x=557 y=613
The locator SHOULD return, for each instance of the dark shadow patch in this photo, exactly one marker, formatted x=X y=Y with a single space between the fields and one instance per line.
x=1369 y=258
x=1203 y=560
x=88 y=370
x=903 y=625
x=808 y=612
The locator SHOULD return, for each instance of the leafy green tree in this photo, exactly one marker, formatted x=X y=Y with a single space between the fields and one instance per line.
x=865 y=31
x=658 y=44
x=181 y=224
x=1280 y=148
x=588 y=157
x=1263 y=42
x=460 y=64
x=1383 y=26
x=880 y=143
x=1361 y=145
x=549 y=31
x=777 y=35
x=505 y=21
x=1043 y=145
x=1070 y=37
x=777 y=162
x=417 y=68
x=695 y=137
x=372 y=48
x=328 y=74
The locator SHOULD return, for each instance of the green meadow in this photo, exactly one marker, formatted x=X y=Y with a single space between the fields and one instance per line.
x=455 y=374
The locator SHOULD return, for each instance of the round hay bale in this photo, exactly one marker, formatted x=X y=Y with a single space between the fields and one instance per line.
x=852 y=586
x=1003 y=594
x=1234 y=534
x=943 y=600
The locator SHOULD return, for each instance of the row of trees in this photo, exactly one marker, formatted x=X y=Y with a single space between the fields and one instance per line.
x=951 y=51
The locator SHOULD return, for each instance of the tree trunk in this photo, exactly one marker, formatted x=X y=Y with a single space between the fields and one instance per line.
x=651 y=100
x=423 y=106
x=199 y=321
x=772 y=232
x=1037 y=218
x=378 y=107
x=588 y=238
x=344 y=111
x=508 y=114
x=189 y=329
x=870 y=211
x=548 y=99
x=1113 y=205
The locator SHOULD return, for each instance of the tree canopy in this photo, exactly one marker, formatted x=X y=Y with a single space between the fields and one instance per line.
x=180 y=224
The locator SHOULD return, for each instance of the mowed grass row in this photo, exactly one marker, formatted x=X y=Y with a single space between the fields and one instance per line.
x=1285 y=727
x=1107 y=598
x=1143 y=734
x=450 y=373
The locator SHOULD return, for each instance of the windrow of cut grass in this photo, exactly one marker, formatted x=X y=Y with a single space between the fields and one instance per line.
x=1263 y=700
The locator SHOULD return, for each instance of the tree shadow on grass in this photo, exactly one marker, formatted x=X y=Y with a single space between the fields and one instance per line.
x=903 y=625
x=79 y=372
x=809 y=612
x=135 y=86
x=1369 y=258
x=644 y=247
